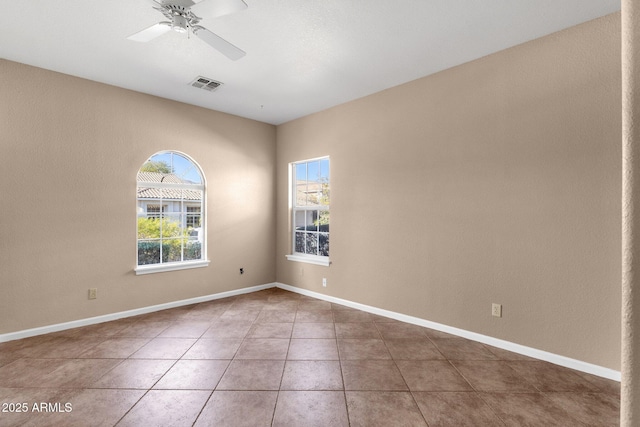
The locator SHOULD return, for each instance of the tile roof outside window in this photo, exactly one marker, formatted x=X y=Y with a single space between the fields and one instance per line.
x=167 y=193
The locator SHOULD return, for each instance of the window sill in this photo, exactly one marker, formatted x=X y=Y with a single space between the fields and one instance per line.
x=310 y=259
x=170 y=266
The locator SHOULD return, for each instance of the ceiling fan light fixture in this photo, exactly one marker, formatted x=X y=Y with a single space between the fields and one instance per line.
x=179 y=24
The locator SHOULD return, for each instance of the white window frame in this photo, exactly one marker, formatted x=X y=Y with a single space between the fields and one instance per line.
x=293 y=255
x=184 y=264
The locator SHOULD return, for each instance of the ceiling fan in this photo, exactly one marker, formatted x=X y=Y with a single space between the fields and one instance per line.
x=181 y=15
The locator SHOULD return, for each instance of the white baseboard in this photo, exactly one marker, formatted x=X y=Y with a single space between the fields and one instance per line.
x=495 y=342
x=129 y=313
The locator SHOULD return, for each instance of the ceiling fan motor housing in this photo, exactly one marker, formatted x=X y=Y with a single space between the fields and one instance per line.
x=181 y=18
x=179 y=23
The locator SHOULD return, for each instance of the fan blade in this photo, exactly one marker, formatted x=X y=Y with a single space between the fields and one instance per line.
x=215 y=8
x=183 y=3
x=218 y=43
x=151 y=33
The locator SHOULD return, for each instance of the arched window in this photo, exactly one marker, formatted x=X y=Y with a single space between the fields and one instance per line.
x=171 y=214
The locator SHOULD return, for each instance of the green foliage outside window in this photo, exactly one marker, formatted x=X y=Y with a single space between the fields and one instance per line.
x=323 y=216
x=159 y=166
x=155 y=228
x=157 y=233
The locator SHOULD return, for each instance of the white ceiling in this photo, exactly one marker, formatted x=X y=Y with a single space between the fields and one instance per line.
x=302 y=56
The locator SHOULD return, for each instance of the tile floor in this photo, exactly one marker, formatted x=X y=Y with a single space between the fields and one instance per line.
x=276 y=358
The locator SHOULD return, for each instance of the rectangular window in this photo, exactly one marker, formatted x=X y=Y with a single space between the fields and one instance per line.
x=153 y=211
x=193 y=216
x=310 y=211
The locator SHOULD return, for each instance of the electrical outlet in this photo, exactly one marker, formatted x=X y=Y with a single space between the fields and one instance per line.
x=324 y=282
x=496 y=310
x=93 y=293
x=241 y=270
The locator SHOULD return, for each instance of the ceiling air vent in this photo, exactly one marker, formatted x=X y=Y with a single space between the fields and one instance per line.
x=205 y=83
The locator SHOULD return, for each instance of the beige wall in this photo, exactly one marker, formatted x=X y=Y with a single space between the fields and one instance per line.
x=69 y=153
x=495 y=181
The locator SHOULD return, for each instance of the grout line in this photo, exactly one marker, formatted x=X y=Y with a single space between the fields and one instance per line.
x=344 y=384
x=395 y=362
x=132 y=406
